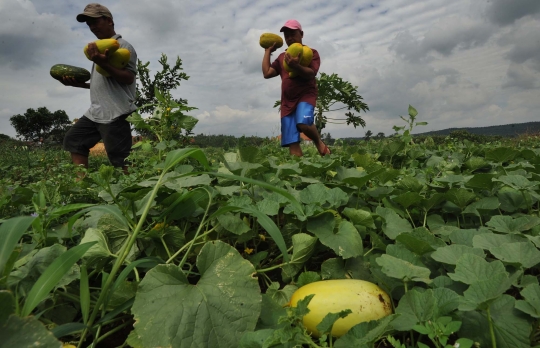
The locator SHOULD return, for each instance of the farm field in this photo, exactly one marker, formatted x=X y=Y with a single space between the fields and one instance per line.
x=202 y=247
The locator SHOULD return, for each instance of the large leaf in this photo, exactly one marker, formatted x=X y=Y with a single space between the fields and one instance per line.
x=450 y=254
x=365 y=334
x=511 y=329
x=415 y=307
x=524 y=254
x=531 y=302
x=508 y=224
x=393 y=224
x=303 y=247
x=471 y=268
x=26 y=332
x=215 y=312
x=52 y=275
x=403 y=270
x=10 y=232
x=344 y=240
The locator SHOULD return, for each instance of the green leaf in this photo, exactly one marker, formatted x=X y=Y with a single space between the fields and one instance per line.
x=264 y=221
x=471 y=268
x=84 y=294
x=354 y=177
x=408 y=198
x=414 y=308
x=490 y=240
x=359 y=217
x=174 y=157
x=481 y=181
x=450 y=254
x=171 y=312
x=460 y=197
x=393 y=224
x=511 y=329
x=412 y=112
x=345 y=241
x=303 y=247
x=420 y=241
x=52 y=275
x=403 y=270
x=531 y=302
x=325 y=326
x=518 y=182
x=26 y=332
x=501 y=154
x=365 y=334
x=307 y=277
x=7 y=306
x=508 y=224
x=100 y=250
x=233 y=223
x=481 y=293
x=524 y=254
x=11 y=232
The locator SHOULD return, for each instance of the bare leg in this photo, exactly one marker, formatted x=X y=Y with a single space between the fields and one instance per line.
x=79 y=160
x=295 y=150
x=312 y=133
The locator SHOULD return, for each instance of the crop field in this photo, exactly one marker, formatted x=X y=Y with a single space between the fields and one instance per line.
x=204 y=247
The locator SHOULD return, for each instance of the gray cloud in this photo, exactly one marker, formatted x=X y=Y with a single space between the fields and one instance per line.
x=505 y=12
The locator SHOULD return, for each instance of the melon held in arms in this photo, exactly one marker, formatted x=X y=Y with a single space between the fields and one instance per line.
x=103 y=45
x=119 y=59
x=59 y=71
x=298 y=50
x=366 y=301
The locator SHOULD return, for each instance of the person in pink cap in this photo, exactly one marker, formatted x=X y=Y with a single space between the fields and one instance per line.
x=298 y=94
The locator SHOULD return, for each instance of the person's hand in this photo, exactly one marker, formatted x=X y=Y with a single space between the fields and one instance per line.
x=271 y=48
x=71 y=81
x=292 y=62
x=95 y=55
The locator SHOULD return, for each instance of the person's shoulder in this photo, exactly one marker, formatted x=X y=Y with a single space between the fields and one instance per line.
x=124 y=43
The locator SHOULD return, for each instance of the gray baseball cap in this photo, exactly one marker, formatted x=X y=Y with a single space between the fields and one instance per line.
x=94 y=10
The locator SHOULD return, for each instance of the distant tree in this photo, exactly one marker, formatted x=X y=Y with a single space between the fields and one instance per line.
x=327 y=138
x=337 y=94
x=41 y=123
x=379 y=135
x=368 y=135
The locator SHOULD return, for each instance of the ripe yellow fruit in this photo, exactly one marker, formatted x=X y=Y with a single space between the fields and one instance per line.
x=119 y=59
x=366 y=300
x=105 y=44
x=305 y=60
x=295 y=50
x=268 y=39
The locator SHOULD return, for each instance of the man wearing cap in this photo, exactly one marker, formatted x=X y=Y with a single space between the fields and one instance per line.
x=298 y=94
x=112 y=98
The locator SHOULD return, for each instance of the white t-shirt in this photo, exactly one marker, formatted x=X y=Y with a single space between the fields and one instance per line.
x=110 y=99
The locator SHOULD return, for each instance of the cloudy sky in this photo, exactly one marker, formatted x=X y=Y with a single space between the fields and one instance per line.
x=461 y=63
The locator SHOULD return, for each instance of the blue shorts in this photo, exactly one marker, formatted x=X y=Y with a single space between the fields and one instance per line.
x=304 y=114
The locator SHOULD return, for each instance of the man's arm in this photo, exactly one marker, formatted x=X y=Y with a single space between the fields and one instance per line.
x=70 y=81
x=304 y=72
x=123 y=76
x=268 y=71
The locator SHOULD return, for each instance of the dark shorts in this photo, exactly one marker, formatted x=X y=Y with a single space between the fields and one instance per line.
x=304 y=114
x=116 y=137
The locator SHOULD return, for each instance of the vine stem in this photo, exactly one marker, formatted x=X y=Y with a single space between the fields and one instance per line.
x=491 y=330
x=124 y=252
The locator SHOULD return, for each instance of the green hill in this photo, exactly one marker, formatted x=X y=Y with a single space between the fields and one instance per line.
x=507 y=130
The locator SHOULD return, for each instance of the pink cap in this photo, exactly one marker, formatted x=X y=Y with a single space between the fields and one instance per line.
x=291 y=24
